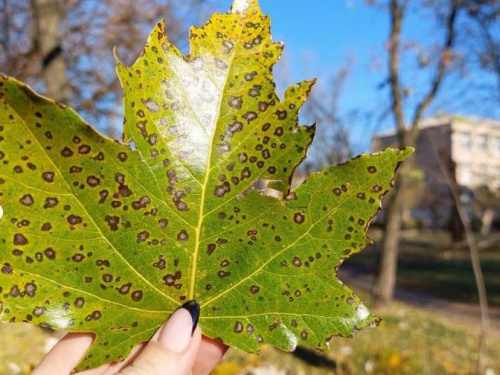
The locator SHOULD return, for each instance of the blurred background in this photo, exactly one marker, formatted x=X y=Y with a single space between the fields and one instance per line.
x=391 y=73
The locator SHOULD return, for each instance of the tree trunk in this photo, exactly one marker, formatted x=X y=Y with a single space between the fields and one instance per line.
x=456 y=227
x=385 y=282
x=47 y=16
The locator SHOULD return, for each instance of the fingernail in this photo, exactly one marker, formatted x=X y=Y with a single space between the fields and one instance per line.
x=194 y=309
x=177 y=332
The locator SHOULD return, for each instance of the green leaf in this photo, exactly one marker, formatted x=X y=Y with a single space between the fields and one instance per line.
x=111 y=237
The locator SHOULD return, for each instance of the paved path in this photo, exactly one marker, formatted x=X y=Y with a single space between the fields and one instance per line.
x=463 y=314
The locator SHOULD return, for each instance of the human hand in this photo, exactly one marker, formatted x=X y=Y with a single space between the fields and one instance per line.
x=177 y=348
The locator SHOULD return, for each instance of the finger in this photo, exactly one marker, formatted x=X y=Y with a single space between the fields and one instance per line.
x=65 y=355
x=116 y=367
x=210 y=354
x=172 y=352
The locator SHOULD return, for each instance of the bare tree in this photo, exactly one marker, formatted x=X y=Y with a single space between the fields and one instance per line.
x=331 y=144
x=47 y=39
x=64 y=48
x=448 y=171
x=484 y=37
x=383 y=290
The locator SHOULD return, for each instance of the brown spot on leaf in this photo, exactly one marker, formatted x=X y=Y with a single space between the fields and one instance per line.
x=161 y=264
x=142 y=236
x=79 y=302
x=78 y=257
x=137 y=295
x=281 y=115
x=103 y=194
x=297 y=262
x=27 y=200
x=169 y=280
x=38 y=311
x=298 y=218
x=141 y=203
x=238 y=327
x=221 y=190
x=152 y=105
x=19 y=239
x=250 y=116
x=254 y=289
x=124 y=289
x=48 y=176
x=66 y=152
x=7 y=269
x=50 y=253
x=236 y=102
x=30 y=289
x=122 y=156
x=50 y=202
x=14 y=291
x=211 y=248
x=74 y=220
x=113 y=222
x=93 y=181
x=84 y=149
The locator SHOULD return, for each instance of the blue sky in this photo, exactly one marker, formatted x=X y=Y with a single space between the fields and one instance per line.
x=321 y=35
x=324 y=34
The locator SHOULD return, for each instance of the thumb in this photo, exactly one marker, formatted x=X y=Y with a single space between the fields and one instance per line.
x=173 y=349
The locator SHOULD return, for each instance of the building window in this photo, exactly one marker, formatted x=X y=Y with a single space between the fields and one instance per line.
x=465 y=141
x=482 y=175
x=496 y=146
x=465 y=175
x=482 y=143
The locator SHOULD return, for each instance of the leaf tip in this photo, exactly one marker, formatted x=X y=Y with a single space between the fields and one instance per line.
x=118 y=62
x=406 y=151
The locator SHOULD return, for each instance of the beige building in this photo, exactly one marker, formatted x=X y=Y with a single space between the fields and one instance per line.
x=471 y=144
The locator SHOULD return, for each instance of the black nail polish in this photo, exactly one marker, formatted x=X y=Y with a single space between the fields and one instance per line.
x=194 y=309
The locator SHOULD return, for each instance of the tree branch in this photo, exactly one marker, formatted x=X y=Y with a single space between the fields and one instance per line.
x=447 y=167
x=397 y=11
x=438 y=78
x=492 y=49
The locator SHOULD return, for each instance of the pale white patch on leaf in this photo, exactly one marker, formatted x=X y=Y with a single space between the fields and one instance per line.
x=240 y=6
